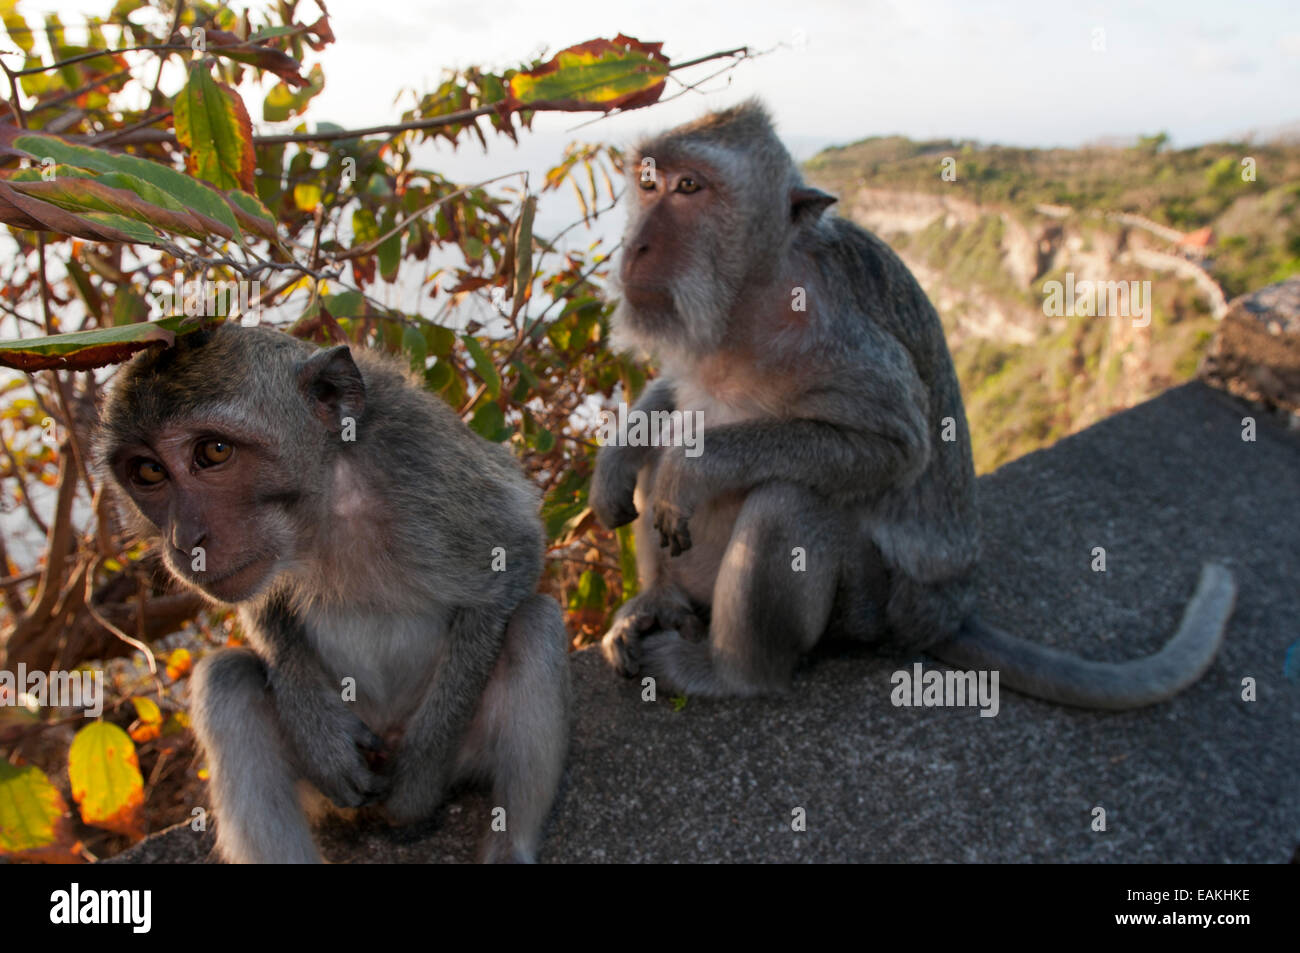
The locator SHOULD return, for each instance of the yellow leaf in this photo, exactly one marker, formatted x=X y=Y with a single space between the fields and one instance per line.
x=148 y=710
x=106 y=781
x=179 y=664
x=306 y=196
x=31 y=812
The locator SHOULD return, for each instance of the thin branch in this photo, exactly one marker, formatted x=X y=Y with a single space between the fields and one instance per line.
x=134 y=643
x=370 y=246
x=95 y=54
x=14 y=105
x=449 y=119
x=17 y=475
x=71 y=94
x=162 y=60
x=118 y=134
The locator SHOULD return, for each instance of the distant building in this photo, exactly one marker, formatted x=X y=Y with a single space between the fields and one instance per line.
x=1197 y=244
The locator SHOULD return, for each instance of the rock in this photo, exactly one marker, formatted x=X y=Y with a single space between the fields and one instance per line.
x=1256 y=354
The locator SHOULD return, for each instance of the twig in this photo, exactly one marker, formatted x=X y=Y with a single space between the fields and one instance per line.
x=134 y=643
x=370 y=246
x=71 y=94
x=16 y=473
x=117 y=134
x=95 y=54
x=162 y=60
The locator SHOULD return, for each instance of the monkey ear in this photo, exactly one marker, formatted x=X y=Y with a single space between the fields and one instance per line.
x=807 y=204
x=332 y=384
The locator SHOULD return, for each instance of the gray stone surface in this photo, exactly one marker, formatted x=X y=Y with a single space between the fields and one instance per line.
x=1256 y=352
x=1206 y=777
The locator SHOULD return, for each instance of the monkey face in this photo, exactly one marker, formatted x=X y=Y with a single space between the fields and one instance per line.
x=671 y=206
x=676 y=274
x=204 y=494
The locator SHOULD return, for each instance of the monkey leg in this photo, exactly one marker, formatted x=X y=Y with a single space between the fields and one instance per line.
x=520 y=733
x=259 y=818
x=772 y=598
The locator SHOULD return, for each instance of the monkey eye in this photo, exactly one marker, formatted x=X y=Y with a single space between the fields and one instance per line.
x=212 y=452
x=686 y=185
x=147 y=472
x=647 y=182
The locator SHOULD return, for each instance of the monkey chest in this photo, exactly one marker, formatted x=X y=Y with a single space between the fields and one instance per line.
x=387 y=660
x=729 y=400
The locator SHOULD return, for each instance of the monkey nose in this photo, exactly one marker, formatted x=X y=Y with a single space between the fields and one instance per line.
x=186 y=539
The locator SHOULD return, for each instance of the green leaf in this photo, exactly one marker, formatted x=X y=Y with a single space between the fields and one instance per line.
x=524 y=250
x=82 y=350
x=364 y=227
x=541 y=439
x=251 y=213
x=213 y=126
x=416 y=347
x=19 y=35
x=83 y=195
x=622 y=73
x=390 y=249
x=346 y=304
x=30 y=809
x=438 y=376
x=483 y=366
x=105 y=776
x=129 y=307
x=271 y=32
x=627 y=560
x=489 y=421
x=191 y=193
x=590 y=592
x=283 y=101
x=441 y=340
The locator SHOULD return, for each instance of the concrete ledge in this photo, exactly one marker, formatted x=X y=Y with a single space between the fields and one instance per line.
x=1204 y=778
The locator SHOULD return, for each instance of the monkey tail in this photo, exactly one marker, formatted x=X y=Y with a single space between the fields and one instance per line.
x=1059 y=677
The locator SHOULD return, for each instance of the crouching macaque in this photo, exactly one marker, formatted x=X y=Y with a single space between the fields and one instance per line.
x=826 y=387
x=384 y=560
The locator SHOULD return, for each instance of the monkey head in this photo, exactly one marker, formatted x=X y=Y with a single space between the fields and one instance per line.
x=219 y=448
x=714 y=205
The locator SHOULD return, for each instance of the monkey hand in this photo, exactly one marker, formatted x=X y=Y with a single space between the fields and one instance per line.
x=613 y=488
x=333 y=757
x=671 y=505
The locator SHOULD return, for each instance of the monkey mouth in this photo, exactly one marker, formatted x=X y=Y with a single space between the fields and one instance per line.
x=234 y=585
x=647 y=296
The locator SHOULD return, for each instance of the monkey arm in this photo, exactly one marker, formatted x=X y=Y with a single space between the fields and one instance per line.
x=434 y=733
x=326 y=737
x=850 y=453
x=614 y=483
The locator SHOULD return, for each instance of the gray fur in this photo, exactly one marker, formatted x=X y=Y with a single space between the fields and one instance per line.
x=822 y=436
x=381 y=571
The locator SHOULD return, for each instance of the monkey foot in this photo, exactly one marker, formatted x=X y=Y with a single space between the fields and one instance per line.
x=646 y=615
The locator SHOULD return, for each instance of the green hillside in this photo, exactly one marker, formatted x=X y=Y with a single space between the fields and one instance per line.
x=1054 y=211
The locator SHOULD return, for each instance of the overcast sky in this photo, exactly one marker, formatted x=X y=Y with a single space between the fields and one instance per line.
x=1028 y=73
x=1014 y=72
